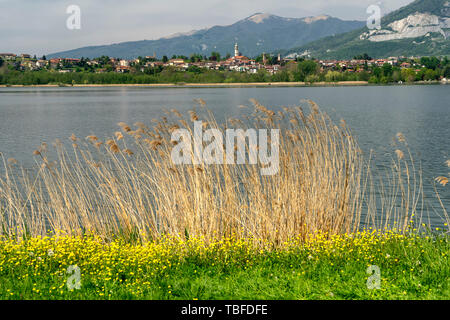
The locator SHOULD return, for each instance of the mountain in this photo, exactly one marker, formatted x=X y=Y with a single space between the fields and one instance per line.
x=256 y=34
x=421 y=28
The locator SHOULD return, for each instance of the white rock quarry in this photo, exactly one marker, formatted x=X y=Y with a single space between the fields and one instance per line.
x=294 y=55
x=259 y=17
x=416 y=25
x=314 y=19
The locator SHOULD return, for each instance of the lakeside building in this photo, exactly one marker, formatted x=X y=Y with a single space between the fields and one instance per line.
x=238 y=62
x=124 y=63
x=8 y=56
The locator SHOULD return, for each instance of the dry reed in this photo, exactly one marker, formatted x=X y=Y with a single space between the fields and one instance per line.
x=129 y=186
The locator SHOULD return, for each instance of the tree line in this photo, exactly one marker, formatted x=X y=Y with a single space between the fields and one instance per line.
x=302 y=70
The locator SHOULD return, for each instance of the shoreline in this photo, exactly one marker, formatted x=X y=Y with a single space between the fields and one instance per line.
x=227 y=85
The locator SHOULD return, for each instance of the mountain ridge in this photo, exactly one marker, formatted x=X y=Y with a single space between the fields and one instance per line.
x=420 y=28
x=255 y=34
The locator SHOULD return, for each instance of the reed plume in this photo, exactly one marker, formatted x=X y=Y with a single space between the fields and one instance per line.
x=130 y=187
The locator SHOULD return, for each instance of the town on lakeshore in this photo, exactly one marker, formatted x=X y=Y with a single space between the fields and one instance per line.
x=263 y=68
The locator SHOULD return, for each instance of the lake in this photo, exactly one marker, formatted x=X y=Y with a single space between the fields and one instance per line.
x=375 y=114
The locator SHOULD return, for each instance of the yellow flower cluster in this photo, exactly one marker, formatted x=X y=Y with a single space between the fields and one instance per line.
x=366 y=244
x=135 y=265
x=132 y=265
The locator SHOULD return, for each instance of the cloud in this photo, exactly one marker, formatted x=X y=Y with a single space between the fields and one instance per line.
x=39 y=26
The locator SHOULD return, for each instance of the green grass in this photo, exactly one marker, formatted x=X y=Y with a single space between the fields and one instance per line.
x=412 y=267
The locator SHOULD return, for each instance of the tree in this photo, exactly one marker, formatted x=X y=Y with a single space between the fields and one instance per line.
x=446 y=72
x=409 y=75
x=215 y=56
x=430 y=75
x=430 y=62
x=304 y=69
x=364 y=76
x=312 y=78
x=261 y=76
x=366 y=66
x=364 y=56
x=396 y=75
x=373 y=79
x=445 y=61
x=1 y=62
x=194 y=69
x=387 y=69
x=377 y=72
x=273 y=60
x=281 y=76
x=103 y=60
x=195 y=57
x=332 y=76
x=165 y=59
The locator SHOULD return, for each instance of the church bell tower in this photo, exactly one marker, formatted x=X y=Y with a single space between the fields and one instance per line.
x=236 y=50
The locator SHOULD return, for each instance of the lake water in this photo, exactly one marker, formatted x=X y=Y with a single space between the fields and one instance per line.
x=29 y=116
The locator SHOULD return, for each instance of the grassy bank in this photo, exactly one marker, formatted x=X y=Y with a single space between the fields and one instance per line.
x=323 y=267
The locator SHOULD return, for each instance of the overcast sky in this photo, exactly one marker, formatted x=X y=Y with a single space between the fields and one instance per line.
x=39 y=26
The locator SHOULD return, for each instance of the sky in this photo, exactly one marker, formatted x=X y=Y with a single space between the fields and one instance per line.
x=39 y=26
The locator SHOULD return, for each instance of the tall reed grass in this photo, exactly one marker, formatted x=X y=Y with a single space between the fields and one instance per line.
x=128 y=186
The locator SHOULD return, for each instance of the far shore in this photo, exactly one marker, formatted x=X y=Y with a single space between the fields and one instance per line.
x=222 y=85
